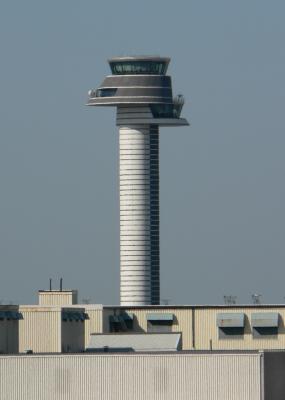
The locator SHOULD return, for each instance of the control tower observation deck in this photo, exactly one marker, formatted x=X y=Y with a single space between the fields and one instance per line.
x=142 y=93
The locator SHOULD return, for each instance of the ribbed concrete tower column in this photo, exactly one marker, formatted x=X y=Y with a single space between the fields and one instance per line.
x=139 y=214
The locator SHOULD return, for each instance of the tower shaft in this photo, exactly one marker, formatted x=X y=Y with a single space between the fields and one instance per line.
x=139 y=214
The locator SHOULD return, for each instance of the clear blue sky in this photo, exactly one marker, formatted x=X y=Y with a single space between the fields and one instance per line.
x=222 y=179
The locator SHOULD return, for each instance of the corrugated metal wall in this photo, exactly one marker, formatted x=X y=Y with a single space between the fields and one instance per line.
x=54 y=298
x=72 y=336
x=9 y=336
x=200 y=333
x=207 y=331
x=40 y=329
x=131 y=377
x=182 y=321
x=94 y=323
x=9 y=329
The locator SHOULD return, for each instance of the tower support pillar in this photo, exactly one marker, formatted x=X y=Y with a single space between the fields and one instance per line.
x=139 y=214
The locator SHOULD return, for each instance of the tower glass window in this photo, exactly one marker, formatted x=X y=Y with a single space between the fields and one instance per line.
x=138 y=67
x=109 y=92
x=162 y=110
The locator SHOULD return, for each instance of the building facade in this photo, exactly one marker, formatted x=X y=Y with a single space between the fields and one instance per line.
x=248 y=327
x=57 y=328
x=51 y=329
x=140 y=376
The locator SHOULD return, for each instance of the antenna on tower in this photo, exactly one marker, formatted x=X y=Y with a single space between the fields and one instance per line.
x=178 y=103
x=256 y=298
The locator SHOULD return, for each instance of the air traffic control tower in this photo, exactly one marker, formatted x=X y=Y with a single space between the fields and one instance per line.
x=142 y=93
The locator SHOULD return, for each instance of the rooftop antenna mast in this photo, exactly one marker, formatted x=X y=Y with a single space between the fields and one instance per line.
x=230 y=299
x=256 y=298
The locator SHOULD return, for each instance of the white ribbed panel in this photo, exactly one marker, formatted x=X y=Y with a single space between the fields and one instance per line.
x=168 y=376
x=139 y=214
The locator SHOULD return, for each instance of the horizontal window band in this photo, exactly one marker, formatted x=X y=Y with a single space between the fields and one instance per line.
x=137 y=289
x=137 y=263
x=153 y=234
x=144 y=189
x=139 y=174
x=134 y=173
x=135 y=284
x=147 y=218
x=144 y=212
x=136 y=293
x=139 y=216
x=134 y=159
x=130 y=168
x=145 y=226
x=141 y=258
x=150 y=245
x=156 y=243
x=143 y=209
x=139 y=247
x=126 y=232
x=135 y=280
x=139 y=182
x=125 y=226
x=143 y=149
x=147 y=238
x=141 y=221
x=145 y=229
x=137 y=195
x=135 y=146
x=140 y=188
x=134 y=259
x=138 y=208
x=138 y=191
x=137 y=139
x=134 y=241
x=136 y=205
x=139 y=274
x=131 y=200
x=133 y=253
x=142 y=276
x=138 y=179
x=137 y=270
x=132 y=136
x=135 y=131
x=139 y=251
